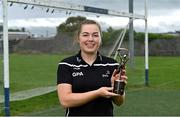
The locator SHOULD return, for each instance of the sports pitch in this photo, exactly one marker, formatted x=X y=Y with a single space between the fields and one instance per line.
x=160 y=98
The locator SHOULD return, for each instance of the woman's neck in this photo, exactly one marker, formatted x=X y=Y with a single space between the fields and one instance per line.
x=89 y=58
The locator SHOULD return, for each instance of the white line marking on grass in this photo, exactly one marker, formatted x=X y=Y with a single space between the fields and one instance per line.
x=26 y=94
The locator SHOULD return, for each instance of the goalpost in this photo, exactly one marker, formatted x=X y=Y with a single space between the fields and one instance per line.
x=67 y=6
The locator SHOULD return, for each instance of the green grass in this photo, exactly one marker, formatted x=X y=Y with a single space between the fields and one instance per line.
x=164 y=72
x=161 y=97
x=32 y=71
x=35 y=104
x=150 y=102
x=39 y=103
x=1 y=81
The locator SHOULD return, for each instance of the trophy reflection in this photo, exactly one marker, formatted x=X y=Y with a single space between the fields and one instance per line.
x=119 y=85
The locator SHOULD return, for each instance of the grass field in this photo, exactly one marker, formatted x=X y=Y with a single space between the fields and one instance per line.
x=32 y=71
x=161 y=97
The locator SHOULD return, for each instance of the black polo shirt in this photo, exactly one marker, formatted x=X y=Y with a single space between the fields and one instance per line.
x=83 y=77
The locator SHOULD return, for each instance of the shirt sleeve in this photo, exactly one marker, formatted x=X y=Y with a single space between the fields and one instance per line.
x=64 y=74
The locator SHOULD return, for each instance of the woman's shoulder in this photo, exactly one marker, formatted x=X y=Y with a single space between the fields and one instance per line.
x=70 y=59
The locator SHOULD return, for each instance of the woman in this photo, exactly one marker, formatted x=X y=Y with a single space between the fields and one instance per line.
x=85 y=80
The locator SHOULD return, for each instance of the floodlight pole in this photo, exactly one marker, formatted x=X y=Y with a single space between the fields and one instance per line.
x=6 y=57
x=131 y=35
x=146 y=48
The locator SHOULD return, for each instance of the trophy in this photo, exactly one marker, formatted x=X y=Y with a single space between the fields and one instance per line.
x=119 y=85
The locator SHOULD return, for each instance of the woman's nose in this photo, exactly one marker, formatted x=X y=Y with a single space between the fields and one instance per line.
x=90 y=37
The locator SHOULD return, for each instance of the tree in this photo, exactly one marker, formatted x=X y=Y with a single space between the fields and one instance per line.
x=110 y=29
x=70 y=25
x=14 y=30
x=23 y=29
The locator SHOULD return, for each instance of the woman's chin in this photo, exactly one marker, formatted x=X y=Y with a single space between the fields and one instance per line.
x=90 y=51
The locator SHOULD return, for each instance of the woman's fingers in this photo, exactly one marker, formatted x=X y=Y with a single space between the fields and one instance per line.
x=123 y=72
x=109 y=92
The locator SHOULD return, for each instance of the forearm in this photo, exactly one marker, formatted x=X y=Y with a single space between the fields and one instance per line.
x=77 y=99
x=69 y=99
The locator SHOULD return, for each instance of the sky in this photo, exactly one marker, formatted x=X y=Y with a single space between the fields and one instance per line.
x=163 y=15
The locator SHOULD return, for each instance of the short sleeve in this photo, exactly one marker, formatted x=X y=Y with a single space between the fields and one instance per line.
x=64 y=74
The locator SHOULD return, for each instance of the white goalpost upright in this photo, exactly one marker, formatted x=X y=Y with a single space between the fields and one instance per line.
x=66 y=6
x=146 y=47
x=6 y=58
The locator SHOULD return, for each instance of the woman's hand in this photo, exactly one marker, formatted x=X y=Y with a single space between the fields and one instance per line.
x=119 y=76
x=106 y=92
x=118 y=100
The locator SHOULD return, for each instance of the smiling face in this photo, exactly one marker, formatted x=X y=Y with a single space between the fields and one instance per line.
x=89 y=38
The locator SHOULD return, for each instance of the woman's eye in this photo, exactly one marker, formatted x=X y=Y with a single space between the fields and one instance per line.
x=96 y=35
x=85 y=35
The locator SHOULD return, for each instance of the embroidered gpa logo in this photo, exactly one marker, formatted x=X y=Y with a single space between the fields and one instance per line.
x=75 y=74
